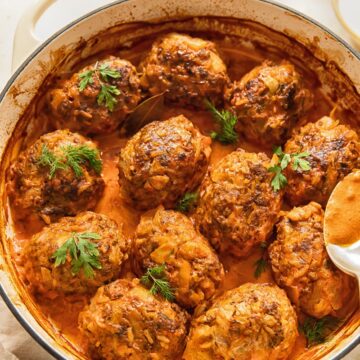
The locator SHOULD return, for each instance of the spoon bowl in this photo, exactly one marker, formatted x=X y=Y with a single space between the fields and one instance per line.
x=346 y=258
x=342 y=225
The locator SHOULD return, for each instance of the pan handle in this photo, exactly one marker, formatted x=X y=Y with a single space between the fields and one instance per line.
x=25 y=40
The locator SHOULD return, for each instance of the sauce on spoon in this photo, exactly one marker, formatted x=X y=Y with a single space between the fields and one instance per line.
x=342 y=215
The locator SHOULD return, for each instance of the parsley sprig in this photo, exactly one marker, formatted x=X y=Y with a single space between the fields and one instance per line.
x=86 y=78
x=156 y=279
x=83 y=253
x=226 y=121
x=317 y=331
x=279 y=181
x=187 y=202
x=73 y=157
x=106 y=96
x=104 y=73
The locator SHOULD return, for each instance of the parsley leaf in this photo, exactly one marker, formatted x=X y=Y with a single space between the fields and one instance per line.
x=227 y=121
x=279 y=181
x=300 y=162
x=47 y=158
x=156 y=279
x=86 y=79
x=106 y=96
x=106 y=72
x=317 y=331
x=79 y=155
x=83 y=253
x=187 y=202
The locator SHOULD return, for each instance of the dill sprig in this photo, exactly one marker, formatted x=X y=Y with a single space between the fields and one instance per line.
x=226 y=121
x=104 y=74
x=83 y=253
x=261 y=264
x=73 y=157
x=260 y=267
x=80 y=155
x=156 y=279
x=187 y=202
x=279 y=181
x=317 y=331
x=47 y=158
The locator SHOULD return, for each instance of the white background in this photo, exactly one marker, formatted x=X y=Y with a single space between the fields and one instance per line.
x=12 y=336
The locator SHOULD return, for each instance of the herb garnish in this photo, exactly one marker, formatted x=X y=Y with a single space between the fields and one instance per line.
x=84 y=254
x=227 y=121
x=187 y=202
x=86 y=79
x=106 y=96
x=47 y=158
x=156 y=279
x=317 y=331
x=104 y=74
x=73 y=157
x=261 y=264
x=279 y=181
x=79 y=155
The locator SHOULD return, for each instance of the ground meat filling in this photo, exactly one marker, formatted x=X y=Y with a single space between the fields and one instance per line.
x=33 y=188
x=268 y=102
x=237 y=207
x=189 y=70
x=163 y=161
x=253 y=321
x=86 y=110
x=334 y=151
x=192 y=267
x=124 y=321
x=301 y=266
x=50 y=280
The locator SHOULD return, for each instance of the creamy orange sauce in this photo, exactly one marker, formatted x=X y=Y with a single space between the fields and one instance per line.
x=342 y=214
x=62 y=312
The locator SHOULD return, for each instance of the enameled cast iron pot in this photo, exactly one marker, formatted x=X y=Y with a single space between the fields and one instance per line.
x=337 y=65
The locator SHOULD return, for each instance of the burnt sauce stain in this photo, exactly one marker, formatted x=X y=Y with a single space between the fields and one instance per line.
x=132 y=41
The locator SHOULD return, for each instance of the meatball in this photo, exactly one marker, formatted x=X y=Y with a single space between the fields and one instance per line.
x=237 y=206
x=162 y=162
x=51 y=279
x=302 y=266
x=187 y=69
x=268 y=102
x=124 y=321
x=253 y=321
x=58 y=175
x=334 y=151
x=79 y=103
x=192 y=267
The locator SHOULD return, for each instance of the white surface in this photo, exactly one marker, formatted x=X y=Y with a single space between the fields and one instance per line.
x=14 y=339
x=350 y=10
